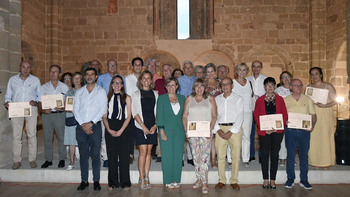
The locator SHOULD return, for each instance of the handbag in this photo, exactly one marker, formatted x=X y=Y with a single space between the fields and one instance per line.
x=71 y=121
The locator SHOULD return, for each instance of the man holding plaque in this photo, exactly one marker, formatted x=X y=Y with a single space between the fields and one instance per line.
x=88 y=114
x=302 y=104
x=228 y=128
x=53 y=118
x=24 y=87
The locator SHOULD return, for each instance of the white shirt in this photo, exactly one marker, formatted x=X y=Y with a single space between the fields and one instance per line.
x=23 y=91
x=229 y=110
x=282 y=91
x=48 y=89
x=245 y=92
x=131 y=84
x=90 y=106
x=258 y=84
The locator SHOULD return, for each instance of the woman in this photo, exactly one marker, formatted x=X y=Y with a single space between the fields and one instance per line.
x=283 y=91
x=116 y=121
x=69 y=131
x=322 y=147
x=172 y=134
x=177 y=73
x=200 y=106
x=67 y=79
x=270 y=140
x=243 y=87
x=214 y=89
x=144 y=112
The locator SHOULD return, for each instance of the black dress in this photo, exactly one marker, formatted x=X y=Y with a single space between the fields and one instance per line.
x=148 y=102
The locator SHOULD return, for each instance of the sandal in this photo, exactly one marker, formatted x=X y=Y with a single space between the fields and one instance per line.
x=149 y=186
x=143 y=187
x=205 y=190
x=196 y=185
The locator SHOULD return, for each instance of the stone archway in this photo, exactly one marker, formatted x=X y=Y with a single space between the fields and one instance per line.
x=162 y=57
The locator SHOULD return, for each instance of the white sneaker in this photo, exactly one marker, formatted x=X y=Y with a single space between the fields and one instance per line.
x=170 y=186
x=176 y=185
x=70 y=167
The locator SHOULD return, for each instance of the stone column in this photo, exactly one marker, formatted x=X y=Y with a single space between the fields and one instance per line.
x=10 y=56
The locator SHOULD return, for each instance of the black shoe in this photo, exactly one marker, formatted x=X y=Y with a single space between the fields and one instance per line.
x=190 y=161
x=83 y=185
x=154 y=157
x=46 y=164
x=97 y=185
x=61 y=164
x=159 y=159
x=252 y=159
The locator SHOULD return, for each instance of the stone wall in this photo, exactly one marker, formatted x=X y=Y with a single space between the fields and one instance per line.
x=10 y=55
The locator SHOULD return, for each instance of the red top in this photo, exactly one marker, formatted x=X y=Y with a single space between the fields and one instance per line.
x=160 y=86
x=260 y=110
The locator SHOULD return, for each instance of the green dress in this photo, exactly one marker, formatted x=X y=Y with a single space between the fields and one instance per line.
x=172 y=149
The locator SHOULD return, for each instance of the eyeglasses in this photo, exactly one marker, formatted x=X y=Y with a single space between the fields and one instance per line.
x=67 y=79
x=117 y=83
x=256 y=66
x=112 y=64
x=199 y=86
x=298 y=86
x=285 y=77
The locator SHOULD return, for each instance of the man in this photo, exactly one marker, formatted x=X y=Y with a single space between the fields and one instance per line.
x=97 y=66
x=186 y=83
x=90 y=104
x=228 y=129
x=257 y=81
x=151 y=66
x=167 y=69
x=54 y=118
x=186 y=80
x=298 y=103
x=222 y=72
x=131 y=86
x=104 y=82
x=24 y=87
x=199 y=72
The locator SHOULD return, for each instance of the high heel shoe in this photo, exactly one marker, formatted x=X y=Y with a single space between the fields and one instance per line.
x=265 y=186
x=144 y=186
x=149 y=186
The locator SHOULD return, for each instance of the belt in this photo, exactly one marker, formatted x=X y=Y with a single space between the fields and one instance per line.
x=226 y=124
x=55 y=112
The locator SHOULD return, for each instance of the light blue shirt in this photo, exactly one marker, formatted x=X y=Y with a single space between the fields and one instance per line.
x=23 y=91
x=105 y=80
x=48 y=89
x=90 y=106
x=186 y=85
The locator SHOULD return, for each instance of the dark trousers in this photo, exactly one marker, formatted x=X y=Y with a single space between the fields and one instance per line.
x=131 y=128
x=295 y=138
x=252 y=141
x=118 y=149
x=89 y=144
x=269 y=143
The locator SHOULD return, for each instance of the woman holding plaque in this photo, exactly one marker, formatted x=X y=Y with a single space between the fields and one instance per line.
x=144 y=111
x=69 y=132
x=200 y=106
x=270 y=140
x=322 y=146
x=116 y=121
x=171 y=132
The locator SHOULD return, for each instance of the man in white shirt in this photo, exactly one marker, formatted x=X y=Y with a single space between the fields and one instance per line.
x=131 y=87
x=228 y=130
x=88 y=114
x=54 y=118
x=24 y=87
x=257 y=81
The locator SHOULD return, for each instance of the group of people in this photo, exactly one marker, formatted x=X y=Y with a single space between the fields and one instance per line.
x=112 y=113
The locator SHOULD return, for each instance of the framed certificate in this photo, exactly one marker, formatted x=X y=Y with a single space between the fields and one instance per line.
x=20 y=109
x=52 y=101
x=69 y=103
x=267 y=122
x=318 y=95
x=198 y=128
x=299 y=121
